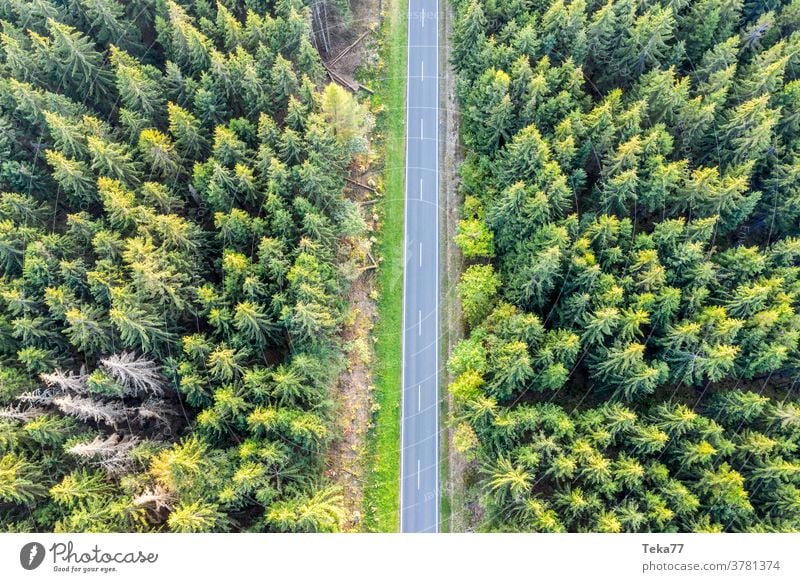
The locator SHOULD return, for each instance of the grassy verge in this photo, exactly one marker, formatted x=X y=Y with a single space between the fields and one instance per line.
x=445 y=493
x=382 y=493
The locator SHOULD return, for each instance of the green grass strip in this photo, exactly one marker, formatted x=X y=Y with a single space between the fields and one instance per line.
x=382 y=493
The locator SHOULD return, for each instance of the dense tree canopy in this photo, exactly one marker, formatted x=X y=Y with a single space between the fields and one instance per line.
x=630 y=229
x=171 y=265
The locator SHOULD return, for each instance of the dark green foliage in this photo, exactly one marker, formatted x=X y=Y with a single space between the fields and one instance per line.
x=631 y=181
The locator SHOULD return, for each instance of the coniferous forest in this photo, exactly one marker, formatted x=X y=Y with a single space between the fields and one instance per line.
x=174 y=249
x=177 y=245
x=630 y=229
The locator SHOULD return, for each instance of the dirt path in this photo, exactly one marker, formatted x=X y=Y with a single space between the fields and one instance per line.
x=353 y=398
x=452 y=327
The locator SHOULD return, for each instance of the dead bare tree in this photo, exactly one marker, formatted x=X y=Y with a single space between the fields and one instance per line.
x=100 y=446
x=136 y=375
x=320 y=26
x=111 y=453
x=86 y=408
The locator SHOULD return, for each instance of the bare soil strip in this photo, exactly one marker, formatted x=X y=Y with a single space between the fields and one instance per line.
x=355 y=44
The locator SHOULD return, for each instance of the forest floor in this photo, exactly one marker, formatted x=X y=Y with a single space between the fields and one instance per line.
x=352 y=42
x=455 y=515
x=353 y=398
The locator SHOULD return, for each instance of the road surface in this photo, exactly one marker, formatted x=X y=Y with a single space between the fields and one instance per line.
x=419 y=479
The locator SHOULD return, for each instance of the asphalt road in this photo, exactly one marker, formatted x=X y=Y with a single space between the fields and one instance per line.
x=419 y=480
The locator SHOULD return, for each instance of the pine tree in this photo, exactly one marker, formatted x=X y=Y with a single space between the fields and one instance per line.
x=317 y=511
x=489 y=113
x=112 y=160
x=749 y=129
x=469 y=36
x=72 y=176
x=647 y=42
x=20 y=481
x=109 y=23
x=138 y=86
x=196 y=517
x=74 y=62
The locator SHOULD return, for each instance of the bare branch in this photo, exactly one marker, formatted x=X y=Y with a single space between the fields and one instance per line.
x=39 y=396
x=19 y=414
x=69 y=382
x=153 y=408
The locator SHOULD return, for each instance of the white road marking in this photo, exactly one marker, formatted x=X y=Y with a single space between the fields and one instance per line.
x=420 y=254
x=423 y=18
x=422 y=64
x=420 y=188
x=418 y=473
x=419 y=322
x=419 y=397
x=421 y=128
